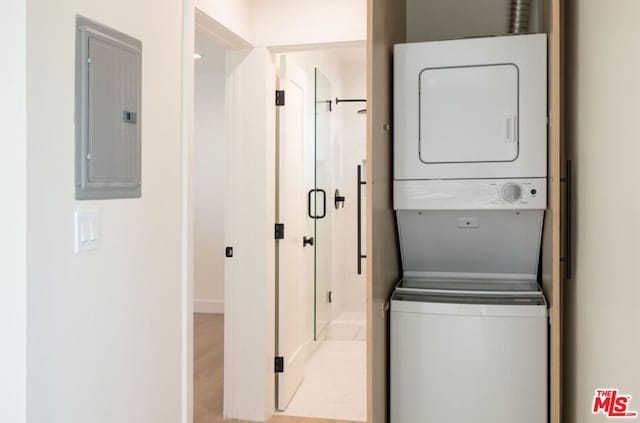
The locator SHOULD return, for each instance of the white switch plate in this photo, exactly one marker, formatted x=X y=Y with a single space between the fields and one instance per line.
x=87 y=230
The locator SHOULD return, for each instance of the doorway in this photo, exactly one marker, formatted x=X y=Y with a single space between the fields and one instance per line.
x=250 y=289
x=209 y=206
x=321 y=330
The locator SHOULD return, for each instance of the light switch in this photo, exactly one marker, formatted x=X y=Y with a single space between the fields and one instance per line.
x=87 y=229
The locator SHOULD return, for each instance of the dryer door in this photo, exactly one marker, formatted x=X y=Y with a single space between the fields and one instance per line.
x=469 y=114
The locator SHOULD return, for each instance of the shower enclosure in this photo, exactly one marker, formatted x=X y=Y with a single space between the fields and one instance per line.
x=319 y=147
x=303 y=253
x=320 y=202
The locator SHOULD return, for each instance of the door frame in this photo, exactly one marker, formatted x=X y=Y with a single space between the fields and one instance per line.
x=195 y=18
x=261 y=409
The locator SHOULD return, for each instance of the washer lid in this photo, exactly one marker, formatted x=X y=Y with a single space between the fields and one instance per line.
x=471 y=305
x=470 y=242
x=526 y=299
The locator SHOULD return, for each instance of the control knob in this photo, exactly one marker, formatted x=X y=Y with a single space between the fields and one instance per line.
x=511 y=192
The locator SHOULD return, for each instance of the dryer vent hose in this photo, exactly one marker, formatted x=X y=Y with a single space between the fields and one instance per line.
x=519 y=18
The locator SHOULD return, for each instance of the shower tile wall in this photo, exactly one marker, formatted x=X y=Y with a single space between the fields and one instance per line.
x=348 y=288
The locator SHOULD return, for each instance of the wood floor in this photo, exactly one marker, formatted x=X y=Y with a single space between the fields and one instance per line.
x=208 y=360
x=208 y=365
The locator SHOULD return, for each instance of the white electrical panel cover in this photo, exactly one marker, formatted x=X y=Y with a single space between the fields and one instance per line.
x=471 y=108
x=108 y=100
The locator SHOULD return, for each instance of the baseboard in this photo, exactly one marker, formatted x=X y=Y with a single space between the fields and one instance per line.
x=208 y=306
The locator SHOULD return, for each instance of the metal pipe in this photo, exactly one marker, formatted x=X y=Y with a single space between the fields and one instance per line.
x=519 y=17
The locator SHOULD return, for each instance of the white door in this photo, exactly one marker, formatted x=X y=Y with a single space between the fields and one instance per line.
x=295 y=283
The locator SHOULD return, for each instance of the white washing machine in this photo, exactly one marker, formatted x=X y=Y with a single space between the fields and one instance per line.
x=473 y=355
x=468 y=320
x=469 y=323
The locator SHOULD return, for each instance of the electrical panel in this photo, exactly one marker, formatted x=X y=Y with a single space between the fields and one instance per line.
x=108 y=113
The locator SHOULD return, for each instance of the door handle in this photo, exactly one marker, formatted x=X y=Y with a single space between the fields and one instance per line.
x=338 y=199
x=359 y=220
x=324 y=203
x=568 y=232
x=307 y=241
x=512 y=129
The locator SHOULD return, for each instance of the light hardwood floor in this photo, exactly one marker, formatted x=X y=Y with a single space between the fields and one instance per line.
x=208 y=360
x=208 y=365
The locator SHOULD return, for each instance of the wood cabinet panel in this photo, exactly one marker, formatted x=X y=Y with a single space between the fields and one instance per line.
x=386 y=27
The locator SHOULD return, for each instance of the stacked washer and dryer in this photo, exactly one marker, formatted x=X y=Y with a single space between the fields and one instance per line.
x=469 y=322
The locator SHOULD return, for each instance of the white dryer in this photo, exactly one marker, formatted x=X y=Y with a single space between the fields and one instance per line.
x=471 y=108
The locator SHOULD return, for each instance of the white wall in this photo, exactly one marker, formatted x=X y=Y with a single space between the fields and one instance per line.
x=235 y=15
x=602 y=345
x=269 y=23
x=105 y=335
x=209 y=193
x=13 y=146
x=446 y=19
x=295 y=22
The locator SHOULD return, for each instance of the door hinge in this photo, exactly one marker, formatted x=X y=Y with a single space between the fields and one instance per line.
x=228 y=252
x=279 y=231
x=279 y=97
x=278 y=365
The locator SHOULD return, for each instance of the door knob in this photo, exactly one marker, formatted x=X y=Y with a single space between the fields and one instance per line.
x=338 y=199
x=307 y=241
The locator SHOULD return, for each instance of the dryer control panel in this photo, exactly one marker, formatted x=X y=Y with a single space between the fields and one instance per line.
x=471 y=194
x=511 y=192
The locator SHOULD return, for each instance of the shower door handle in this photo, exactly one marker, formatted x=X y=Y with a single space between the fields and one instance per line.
x=359 y=220
x=324 y=203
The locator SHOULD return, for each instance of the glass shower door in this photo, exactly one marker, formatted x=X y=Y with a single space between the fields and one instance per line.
x=322 y=190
